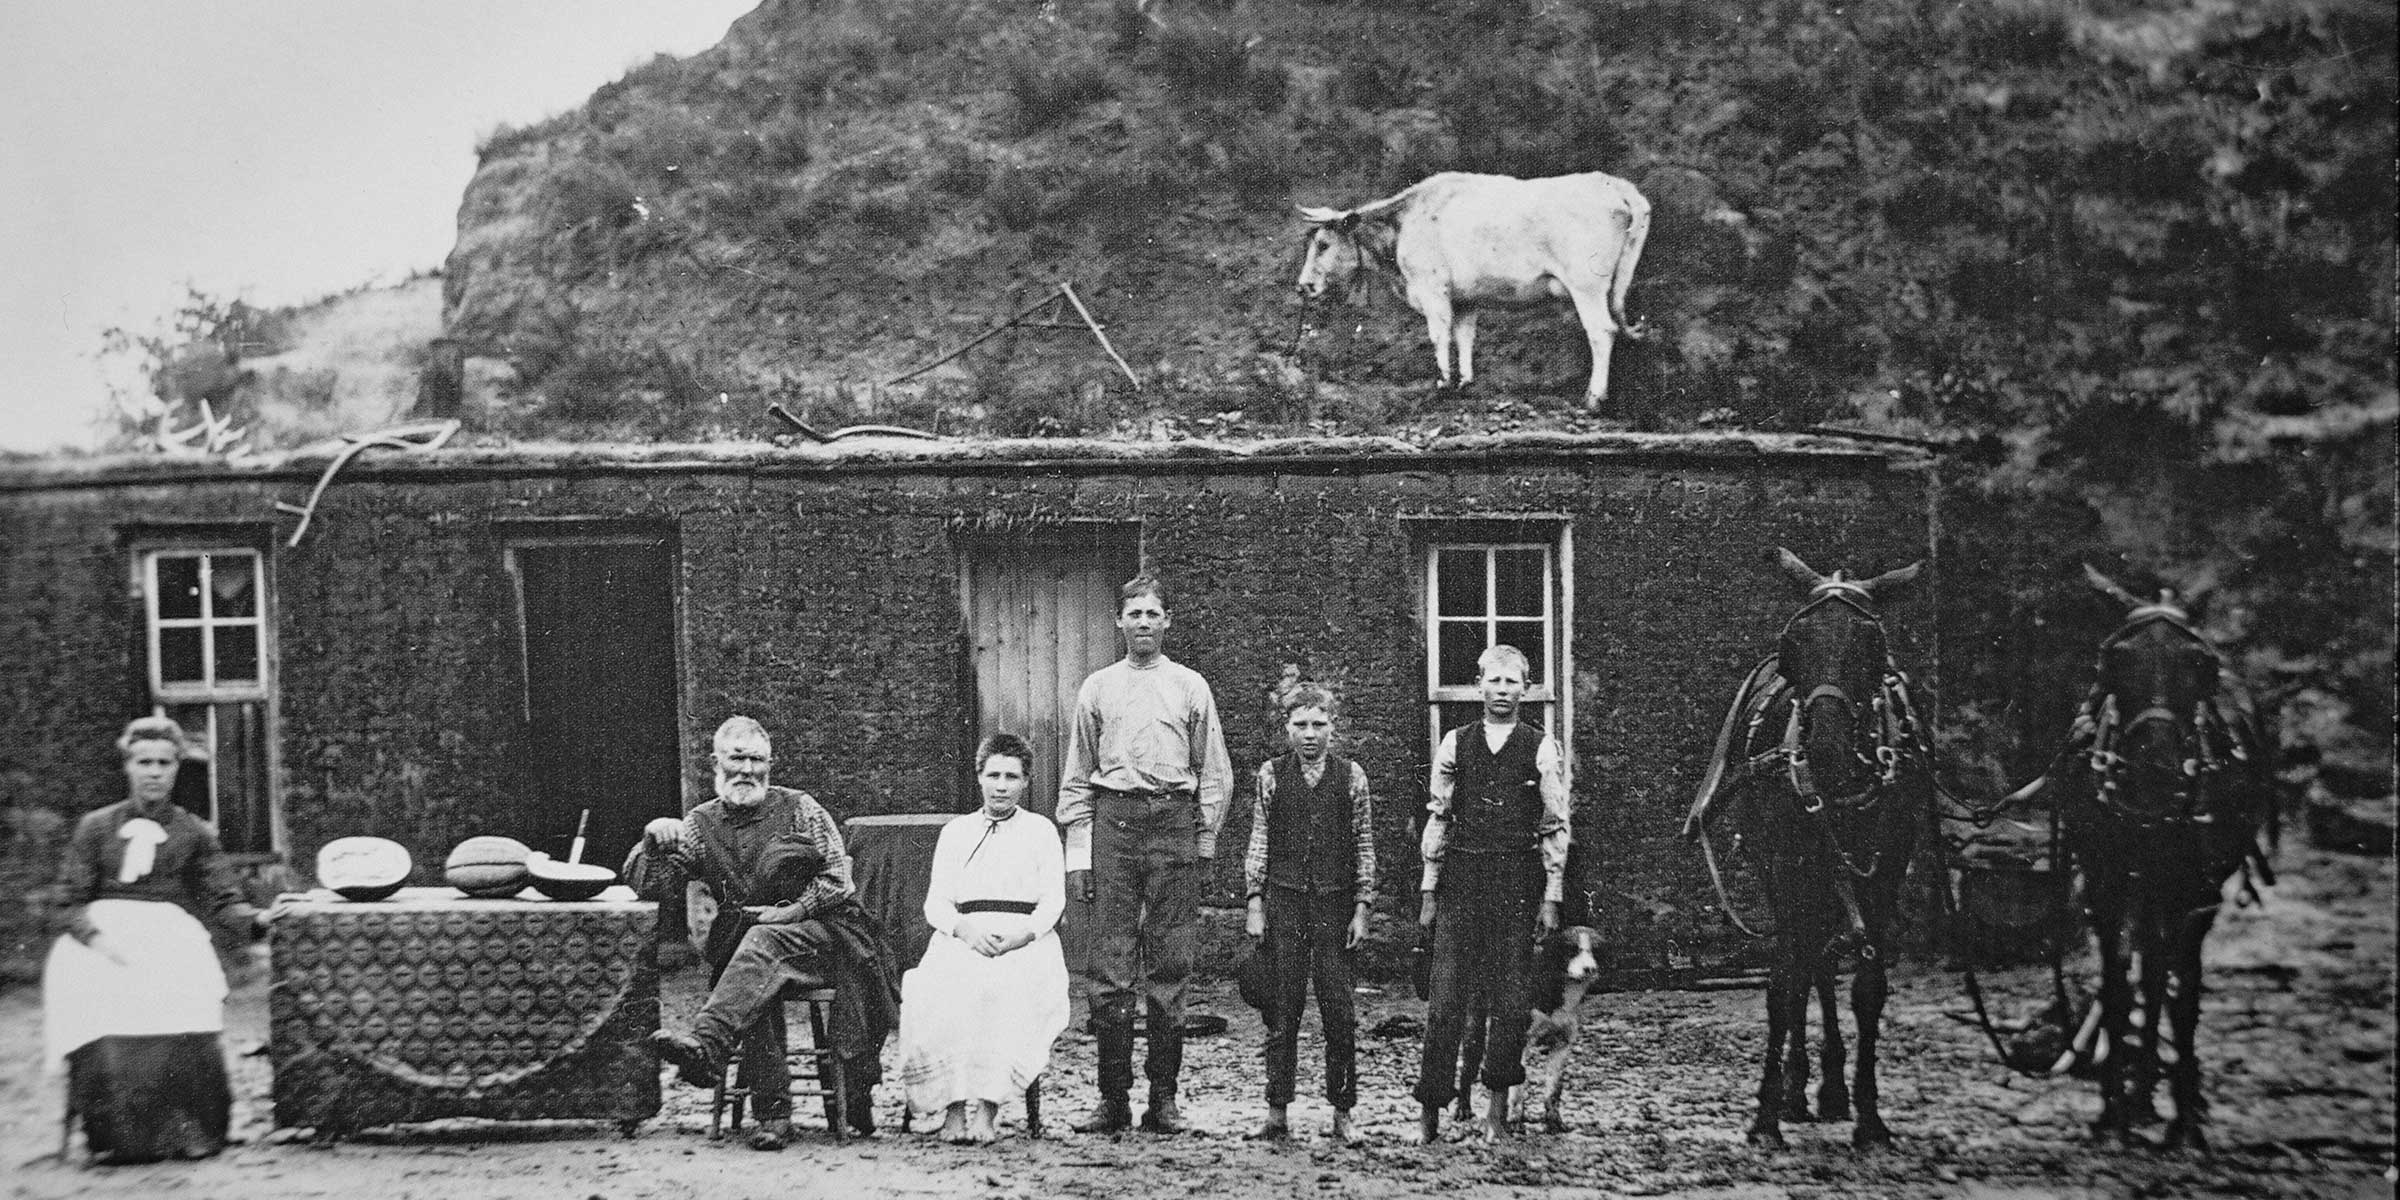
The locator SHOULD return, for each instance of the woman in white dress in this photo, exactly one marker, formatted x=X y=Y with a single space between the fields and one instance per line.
x=979 y=1014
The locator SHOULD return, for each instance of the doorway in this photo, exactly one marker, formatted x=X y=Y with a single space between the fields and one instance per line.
x=596 y=624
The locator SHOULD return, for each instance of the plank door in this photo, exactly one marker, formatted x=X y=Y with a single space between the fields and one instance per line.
x=1041 y=613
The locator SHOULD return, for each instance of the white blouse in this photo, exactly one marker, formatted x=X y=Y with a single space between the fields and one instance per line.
x=1017 y=858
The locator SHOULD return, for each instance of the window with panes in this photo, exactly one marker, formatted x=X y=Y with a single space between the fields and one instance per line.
x=209 y=638
x=1486 y=592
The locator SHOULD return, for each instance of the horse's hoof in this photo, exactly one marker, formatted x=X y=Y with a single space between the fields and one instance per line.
x=1833 y=1106
x=1869 y=1137
x=1553 y=1123
x=1766 y=1137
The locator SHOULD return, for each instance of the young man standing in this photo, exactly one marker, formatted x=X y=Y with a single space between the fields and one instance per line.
x=1140 y=796
x=1495 y=840
x=1311 y=877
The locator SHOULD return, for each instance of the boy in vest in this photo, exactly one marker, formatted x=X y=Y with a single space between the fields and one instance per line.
x=1495 y=850
x=1311 y=876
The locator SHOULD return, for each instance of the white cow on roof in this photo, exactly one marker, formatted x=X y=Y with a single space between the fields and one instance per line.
x=1458 y=241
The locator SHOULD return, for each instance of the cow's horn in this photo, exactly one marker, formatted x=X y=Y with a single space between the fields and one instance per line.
x=1319 y=216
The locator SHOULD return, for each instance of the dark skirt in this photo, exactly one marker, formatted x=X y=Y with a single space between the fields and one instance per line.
x=144 y=1098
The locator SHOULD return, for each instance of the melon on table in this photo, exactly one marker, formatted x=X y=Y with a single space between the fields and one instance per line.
x=489 y=866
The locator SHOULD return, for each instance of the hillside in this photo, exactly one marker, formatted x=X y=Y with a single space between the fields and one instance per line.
x=2130 y=260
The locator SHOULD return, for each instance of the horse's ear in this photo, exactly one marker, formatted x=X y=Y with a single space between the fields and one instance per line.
x=1892 y=582
x=1798 y=570
x=2108 y=587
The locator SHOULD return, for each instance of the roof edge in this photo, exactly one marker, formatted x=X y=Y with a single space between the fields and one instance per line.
x=882 y=454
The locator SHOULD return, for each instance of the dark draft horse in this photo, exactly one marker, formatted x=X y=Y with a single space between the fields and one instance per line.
x=1825 y=775
x=2166 y=784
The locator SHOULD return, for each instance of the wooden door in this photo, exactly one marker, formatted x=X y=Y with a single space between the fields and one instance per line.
x=1041 y=614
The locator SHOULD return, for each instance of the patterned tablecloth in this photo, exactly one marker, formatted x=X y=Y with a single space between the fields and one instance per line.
x=433 y=1005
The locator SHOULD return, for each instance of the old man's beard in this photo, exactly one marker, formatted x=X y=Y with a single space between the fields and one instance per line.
x=742 y=789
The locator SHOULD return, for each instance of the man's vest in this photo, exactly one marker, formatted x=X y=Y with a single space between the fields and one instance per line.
x=1496 y=800
x=1310 y=843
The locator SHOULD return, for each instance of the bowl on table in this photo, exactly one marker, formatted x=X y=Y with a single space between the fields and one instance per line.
x=566 y=880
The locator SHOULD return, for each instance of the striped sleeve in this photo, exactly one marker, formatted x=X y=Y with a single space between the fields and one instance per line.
x=1254 y=862
x=1362 y=823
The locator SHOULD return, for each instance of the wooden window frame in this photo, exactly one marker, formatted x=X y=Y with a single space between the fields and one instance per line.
x=1552 y=535
x=145 y=549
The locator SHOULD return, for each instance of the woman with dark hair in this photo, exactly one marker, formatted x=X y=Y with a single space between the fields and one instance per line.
x=979 y=1014
x=133 y=999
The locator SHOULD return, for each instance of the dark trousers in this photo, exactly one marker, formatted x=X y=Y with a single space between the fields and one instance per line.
x=1146 y=882
x=743 y=1007
x=1482 y=968
x=1305 y=932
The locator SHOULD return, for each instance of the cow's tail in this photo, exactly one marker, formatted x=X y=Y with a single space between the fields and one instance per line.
x=1636 y=216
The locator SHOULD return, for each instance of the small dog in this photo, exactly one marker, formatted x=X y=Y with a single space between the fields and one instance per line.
x=1563 y=974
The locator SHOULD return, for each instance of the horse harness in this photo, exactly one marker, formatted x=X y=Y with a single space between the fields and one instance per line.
x=1897 y=736
x=2212 y=740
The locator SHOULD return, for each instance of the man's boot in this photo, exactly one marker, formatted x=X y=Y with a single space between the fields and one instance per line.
x=1114 y=1114
x=1162 y=1116
x=694 y=1061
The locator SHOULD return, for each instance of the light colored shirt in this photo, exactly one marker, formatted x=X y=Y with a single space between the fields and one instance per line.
x=1362 y=826
x=1557 y=806
x=1143 y=729
x=977 y=858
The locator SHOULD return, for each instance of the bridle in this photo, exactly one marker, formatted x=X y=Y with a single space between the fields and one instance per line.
x=1892 y=735
x=2202 y=731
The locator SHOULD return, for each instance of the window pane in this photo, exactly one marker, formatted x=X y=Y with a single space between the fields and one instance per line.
x=1454 y=714
x=1458 y=577
x=1534 y=640
x=237 y=653
x=1520 y=582
x=179 y=655
x=1461 y=642
x=178 y=587
x=233 y=578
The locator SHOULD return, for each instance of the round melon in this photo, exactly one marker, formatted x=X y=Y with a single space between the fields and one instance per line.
x=363 y=868
x=488 y=866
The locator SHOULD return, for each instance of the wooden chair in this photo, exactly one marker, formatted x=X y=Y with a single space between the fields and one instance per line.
x=818 y=1063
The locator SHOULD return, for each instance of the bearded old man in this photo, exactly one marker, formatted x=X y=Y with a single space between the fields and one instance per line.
x=764 y=939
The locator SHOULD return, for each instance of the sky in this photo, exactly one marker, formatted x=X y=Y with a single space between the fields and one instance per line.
x=271 y=150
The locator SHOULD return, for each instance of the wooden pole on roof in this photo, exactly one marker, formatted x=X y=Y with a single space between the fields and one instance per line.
x=1068 y=290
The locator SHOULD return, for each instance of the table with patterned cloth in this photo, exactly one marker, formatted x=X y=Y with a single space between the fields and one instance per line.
x=432 y=1005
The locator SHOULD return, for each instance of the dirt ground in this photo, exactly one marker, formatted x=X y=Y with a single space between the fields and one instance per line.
x=2297 y=1038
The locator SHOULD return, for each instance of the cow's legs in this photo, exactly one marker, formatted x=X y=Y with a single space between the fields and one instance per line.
x=1464 y=330
x=1591 y=307
x=1833 y=1095
x=1436 y=307
x=2191 y=1108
